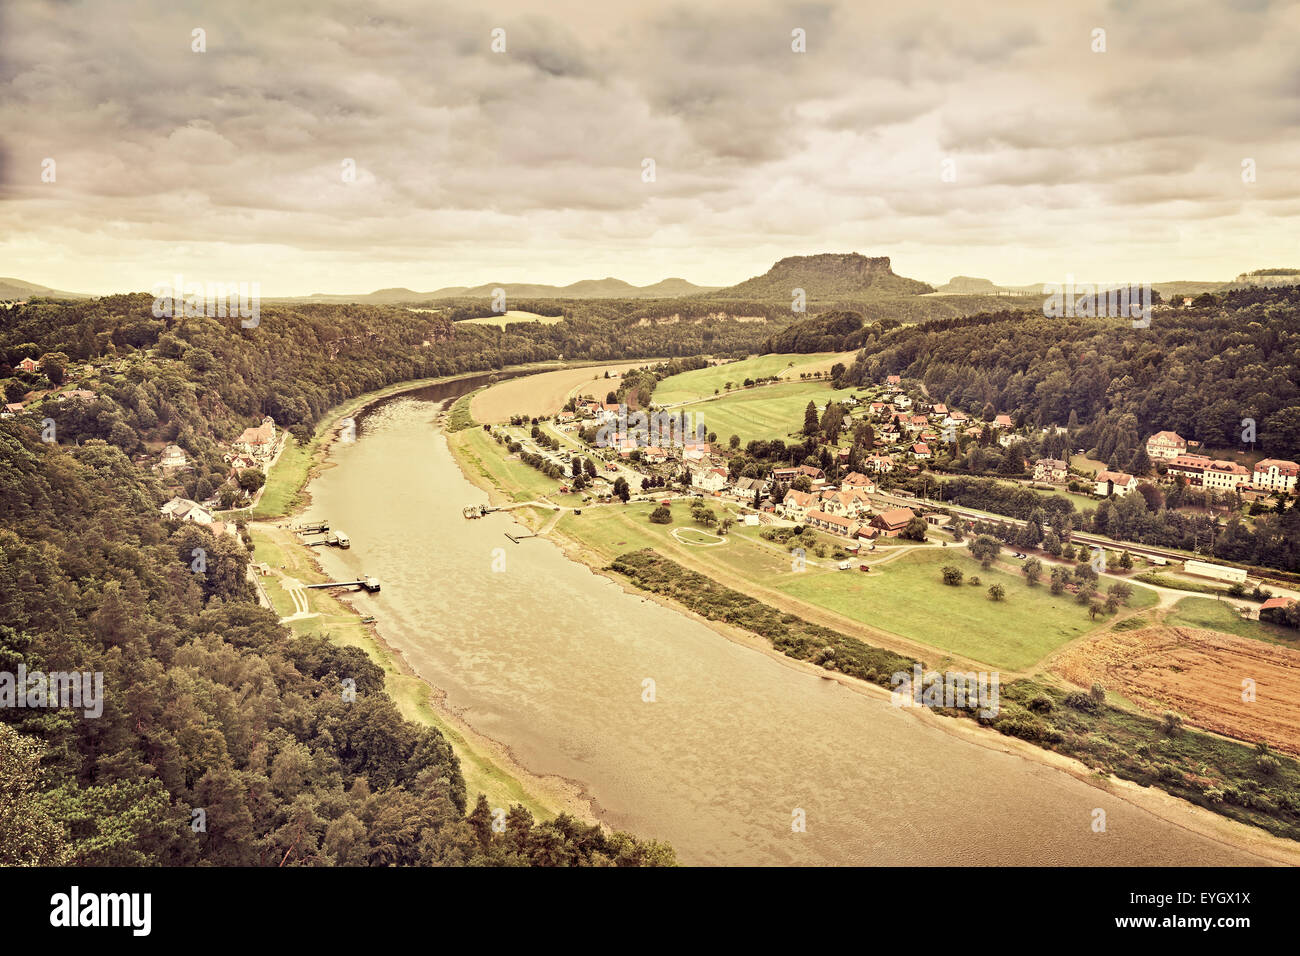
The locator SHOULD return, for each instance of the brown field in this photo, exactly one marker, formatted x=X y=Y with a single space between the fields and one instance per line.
x=1198 y=674
x=545 y=393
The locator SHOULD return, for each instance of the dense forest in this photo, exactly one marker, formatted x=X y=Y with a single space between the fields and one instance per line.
x=223 y=738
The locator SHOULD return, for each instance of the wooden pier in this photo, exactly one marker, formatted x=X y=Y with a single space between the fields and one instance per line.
x=366 y=584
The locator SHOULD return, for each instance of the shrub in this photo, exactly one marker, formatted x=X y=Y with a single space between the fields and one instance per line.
x=661 y=515
x=1041 y=704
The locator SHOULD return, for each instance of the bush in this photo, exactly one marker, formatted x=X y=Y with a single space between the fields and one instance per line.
x=951 y=575
x=1080 y=701
x=661 y=515
x=1041 y=704
x=1171 y=723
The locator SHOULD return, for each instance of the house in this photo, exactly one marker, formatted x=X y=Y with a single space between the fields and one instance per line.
x=710 y=479
x=1051 y=470
x=798 y=503
x=919 y=421
x=744 y=489
x=653 y=455
x=258 y=441
x=955 y=418
x=903 y=402
x=880 y=464
x=893 y=380
x=921 y=450
x=1163 y=446
x=1114 y=483
x=173 y=458
x=12 y=409
x=786 y=475
x=84 y=394
x=27 y=365
x=1271 y=474
x=1003 y=421
x=183 y=509
x=859 y=482
x=837 y=524
x=939 y=409
x=892 y=522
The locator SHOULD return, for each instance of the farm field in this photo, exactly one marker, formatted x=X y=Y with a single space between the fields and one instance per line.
x=703 y=382
x=1215 y=615
x=773 y=411
x=1197 y=673
x=907 y=597
x=514 y=315
x=545 y=393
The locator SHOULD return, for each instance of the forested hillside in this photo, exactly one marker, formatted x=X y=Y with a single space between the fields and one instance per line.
x=1197 y=371
x=223 y=738
x=209 y=704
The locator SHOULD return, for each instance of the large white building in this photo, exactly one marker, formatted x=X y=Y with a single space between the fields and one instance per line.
x=1163 y=446
x=1274 y=474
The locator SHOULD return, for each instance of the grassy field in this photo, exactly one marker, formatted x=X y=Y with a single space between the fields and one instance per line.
x=1217 y=616
x=514 y=315
x=285 y=483
x=703 y=382
x=519 y=482
x=773 y=411
x=908 y=597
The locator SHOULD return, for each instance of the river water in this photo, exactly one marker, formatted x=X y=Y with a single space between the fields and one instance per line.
x=548 y=658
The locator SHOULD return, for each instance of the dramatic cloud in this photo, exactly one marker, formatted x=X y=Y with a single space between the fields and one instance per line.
x=332 y=147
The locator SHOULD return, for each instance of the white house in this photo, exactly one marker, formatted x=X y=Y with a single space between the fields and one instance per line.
x=183 y=509
x=1114 y=483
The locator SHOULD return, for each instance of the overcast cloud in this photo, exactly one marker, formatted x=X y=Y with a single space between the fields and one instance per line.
x=474 y=166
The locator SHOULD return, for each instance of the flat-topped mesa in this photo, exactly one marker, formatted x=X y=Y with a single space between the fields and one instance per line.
x=828 y=275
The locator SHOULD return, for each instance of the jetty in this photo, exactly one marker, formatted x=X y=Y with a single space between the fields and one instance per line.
x=476 y=511
x=335 y=539
x=366 y=584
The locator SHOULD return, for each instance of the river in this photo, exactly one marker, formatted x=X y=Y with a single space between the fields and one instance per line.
x=549 y=659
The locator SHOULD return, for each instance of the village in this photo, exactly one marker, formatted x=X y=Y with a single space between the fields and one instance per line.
x=887 y=490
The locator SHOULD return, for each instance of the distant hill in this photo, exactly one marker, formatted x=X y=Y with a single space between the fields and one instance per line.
x=608 y=288
x=967 y=285
x=828 y=276
x=17 y=289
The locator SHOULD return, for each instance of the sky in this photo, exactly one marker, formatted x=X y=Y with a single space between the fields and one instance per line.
x=1004 y=140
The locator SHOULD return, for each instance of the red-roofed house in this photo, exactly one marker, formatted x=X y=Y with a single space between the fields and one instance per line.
x=837 y=524
x=892 y=522
x=796 y=504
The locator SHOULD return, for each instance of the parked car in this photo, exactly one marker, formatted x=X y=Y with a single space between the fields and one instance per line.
x=863 y=567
